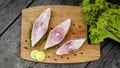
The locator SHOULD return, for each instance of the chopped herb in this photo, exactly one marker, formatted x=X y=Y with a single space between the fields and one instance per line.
x=51 y=48
x=29 y=35
x=43 y=39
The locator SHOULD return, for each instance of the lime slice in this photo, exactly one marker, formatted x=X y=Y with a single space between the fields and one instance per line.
x=33 y=54
x=40 y=56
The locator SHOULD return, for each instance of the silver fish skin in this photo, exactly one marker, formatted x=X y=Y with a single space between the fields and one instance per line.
x=58 y=33
x=40 y=26
x=70 y=46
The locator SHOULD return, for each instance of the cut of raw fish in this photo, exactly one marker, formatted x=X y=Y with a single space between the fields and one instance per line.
x=58 y=33
x=40 y=26
x=70 y=46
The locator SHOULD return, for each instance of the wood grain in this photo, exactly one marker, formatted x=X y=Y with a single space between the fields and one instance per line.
x=10 y=10
x=10 y=48
x=112 y=58
x=104 y=51
x=60 y=13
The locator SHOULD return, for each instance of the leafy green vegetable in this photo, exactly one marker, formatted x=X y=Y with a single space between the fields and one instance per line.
x=103 y=19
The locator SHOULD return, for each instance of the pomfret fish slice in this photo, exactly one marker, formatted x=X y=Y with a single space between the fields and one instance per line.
x=58 y=33
x=40 y=26
x=70 y=46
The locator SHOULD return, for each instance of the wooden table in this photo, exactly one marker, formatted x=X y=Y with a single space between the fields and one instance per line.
x=10 y=36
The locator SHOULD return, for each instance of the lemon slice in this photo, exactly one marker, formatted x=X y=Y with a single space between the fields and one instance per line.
x=40 y=56
x=33 y=54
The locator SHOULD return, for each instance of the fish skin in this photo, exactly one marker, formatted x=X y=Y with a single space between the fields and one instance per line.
x=70 y=46
x=40 y=26
x=58 y=33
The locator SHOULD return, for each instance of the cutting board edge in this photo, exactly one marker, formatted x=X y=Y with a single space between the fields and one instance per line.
x=60 y=62
x=25 y=9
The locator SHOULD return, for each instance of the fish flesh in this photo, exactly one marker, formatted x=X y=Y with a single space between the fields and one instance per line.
x=40 y=26
x=58 y=33
x=70 y=46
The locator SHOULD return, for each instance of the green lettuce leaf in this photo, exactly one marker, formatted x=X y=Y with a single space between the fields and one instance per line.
x=103 y=19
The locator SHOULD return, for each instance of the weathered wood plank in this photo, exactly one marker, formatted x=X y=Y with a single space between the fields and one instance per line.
x=9 y=11
x=104 y=51
x=112 y=59
x=3 y=3
x=43 y=65
x=10 y=48
x=56 y=2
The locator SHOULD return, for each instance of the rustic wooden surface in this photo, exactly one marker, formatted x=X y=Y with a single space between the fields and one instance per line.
x=78 y=29
x=10 y=36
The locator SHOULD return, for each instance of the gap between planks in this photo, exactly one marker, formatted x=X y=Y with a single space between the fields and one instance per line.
x=15 y=19
x=101 y=59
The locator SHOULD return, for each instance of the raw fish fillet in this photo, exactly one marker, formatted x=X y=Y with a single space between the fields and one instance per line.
x=70 y=46
x=58 y=33
x=40 y=26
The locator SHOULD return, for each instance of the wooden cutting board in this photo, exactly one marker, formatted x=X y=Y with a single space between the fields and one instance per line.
x=78 y=29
